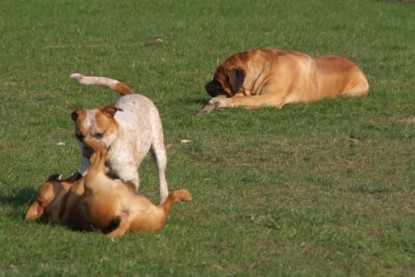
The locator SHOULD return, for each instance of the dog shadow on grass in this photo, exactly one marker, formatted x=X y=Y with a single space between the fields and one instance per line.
x=196 y=101
x=16 y=204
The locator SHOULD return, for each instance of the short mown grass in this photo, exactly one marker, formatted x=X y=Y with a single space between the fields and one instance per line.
x=324 y=189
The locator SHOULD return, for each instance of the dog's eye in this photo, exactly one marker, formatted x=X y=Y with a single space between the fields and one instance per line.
x=99 y=135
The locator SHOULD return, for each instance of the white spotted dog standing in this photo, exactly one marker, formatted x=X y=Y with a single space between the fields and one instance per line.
x=129 y=129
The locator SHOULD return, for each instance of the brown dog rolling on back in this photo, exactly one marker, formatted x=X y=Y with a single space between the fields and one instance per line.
x=273 y=78
x=114 y=207
x=59 y=201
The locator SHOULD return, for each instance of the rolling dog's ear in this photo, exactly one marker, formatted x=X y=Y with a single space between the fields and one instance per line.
x=35 y=211
x=236 y=79
x=54 y=178
x=110 y=110
x=75 y=177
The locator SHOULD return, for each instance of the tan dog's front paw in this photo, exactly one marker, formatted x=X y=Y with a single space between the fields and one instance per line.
x=220 y=102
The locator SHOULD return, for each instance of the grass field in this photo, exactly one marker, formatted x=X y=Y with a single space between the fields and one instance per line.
x=325 y=189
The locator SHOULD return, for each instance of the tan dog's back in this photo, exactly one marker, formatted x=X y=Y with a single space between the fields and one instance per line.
x=338 y=76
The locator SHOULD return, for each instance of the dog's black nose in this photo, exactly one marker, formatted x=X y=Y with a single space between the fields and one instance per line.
x=210 y=88
x=214 y=88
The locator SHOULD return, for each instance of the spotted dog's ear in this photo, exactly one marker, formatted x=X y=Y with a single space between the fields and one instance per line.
x=110 y=110
x=236 y=79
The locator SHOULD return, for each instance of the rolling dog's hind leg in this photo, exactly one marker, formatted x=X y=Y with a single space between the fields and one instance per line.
x=121 y=229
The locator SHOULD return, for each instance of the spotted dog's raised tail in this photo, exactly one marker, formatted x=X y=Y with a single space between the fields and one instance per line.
x=113 y=84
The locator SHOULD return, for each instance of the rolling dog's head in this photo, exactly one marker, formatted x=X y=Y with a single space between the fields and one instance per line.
x=228 y=78
x=47 y=194
x=98 y=123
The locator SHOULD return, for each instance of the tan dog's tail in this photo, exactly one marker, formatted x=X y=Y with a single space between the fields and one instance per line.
x=175 y=196
x=113 y=84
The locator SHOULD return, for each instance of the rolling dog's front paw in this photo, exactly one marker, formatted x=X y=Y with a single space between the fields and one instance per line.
x=220 y=102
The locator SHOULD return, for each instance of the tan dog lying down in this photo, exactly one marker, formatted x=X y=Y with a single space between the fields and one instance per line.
x=114 y=207
x=60 y=202
x=273 y=78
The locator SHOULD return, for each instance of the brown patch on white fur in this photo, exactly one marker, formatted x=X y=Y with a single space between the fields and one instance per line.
x=273 y=78
x=114 y=208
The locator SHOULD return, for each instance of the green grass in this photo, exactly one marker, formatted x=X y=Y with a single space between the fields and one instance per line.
x=325 y=189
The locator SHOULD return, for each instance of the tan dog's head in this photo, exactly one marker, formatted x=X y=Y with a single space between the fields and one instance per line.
x=98 y=123
x=47 y=194
x=228 y=78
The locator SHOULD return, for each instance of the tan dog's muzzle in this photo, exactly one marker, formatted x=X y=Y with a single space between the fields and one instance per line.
x=214 y=88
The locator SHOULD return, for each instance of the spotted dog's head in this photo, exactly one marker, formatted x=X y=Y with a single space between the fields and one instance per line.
x=97 y=123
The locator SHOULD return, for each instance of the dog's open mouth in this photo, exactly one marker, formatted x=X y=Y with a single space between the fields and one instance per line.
x=87 y=151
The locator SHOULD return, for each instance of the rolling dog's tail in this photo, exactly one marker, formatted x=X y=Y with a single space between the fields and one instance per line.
x=115 y=85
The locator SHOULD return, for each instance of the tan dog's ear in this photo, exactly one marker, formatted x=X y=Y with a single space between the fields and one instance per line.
x=110 y=110
x=35 y=211
x=236 y=79
x=75 y=177
x=54 y=178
